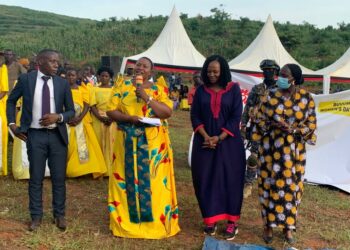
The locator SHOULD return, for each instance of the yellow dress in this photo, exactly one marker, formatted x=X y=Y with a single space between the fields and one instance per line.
x=84 y=153
x=20 y=162
x=4 y=87
x=162 y=205
x=105 y=134
x=88 y=90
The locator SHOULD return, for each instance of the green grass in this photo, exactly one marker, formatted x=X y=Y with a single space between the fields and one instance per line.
x=323 y=216
x=15 y=19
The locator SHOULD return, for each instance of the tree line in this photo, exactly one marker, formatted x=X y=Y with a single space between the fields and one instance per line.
x=85 y=41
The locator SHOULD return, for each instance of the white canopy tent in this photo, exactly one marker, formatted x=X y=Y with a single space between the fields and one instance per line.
x=173 y=48
x=266 y=45
x=338 y=69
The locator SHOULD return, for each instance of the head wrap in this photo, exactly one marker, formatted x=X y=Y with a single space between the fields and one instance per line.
x=296 y=73
x=24 y=61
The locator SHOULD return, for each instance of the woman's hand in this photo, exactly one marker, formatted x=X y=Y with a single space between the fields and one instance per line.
x=17 y=133
x=101 y=118
x=282 y=125
x=141 y=93
x=107 y=121
x=210 y=142
x=74 y=121
x=133 y=119
x=285 y=127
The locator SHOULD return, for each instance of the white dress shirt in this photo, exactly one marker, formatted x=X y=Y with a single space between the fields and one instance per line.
x=37 y=101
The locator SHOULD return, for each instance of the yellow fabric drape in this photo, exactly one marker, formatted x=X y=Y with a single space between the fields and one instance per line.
x=96 y=163
x=4 y=87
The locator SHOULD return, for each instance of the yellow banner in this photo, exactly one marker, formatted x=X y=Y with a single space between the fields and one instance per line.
x=340 y=107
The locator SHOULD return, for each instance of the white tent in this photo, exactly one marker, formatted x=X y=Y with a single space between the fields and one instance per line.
x=266 y=45
x=173 y=48
x=340 y=69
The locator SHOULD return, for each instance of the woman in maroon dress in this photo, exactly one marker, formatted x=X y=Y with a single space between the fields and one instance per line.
x=218 y=155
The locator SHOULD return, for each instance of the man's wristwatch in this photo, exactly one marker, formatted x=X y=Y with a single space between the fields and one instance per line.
x=60 y=118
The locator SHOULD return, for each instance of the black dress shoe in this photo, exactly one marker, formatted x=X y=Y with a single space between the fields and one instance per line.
x=34 y=225
x=61 y=223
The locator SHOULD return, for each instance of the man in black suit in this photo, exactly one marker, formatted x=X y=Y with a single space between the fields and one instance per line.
x=47 y=105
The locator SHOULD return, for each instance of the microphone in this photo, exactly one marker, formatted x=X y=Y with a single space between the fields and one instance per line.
x=139 y=82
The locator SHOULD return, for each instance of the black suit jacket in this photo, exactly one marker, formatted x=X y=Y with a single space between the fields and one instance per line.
x=25 y=88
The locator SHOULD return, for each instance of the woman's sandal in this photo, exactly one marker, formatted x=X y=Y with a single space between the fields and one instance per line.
x=289 y=239
x=267 y=237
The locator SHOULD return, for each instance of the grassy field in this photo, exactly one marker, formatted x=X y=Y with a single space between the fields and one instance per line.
x=16 y=20
x=323 y=222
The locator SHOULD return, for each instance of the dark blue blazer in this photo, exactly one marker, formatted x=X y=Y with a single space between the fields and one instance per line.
x=25 y=88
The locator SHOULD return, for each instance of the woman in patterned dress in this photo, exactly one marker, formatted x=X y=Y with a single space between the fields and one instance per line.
x=142 y=197
x=285 y=122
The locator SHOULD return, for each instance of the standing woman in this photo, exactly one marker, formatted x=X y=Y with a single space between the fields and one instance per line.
x=84 y=153
x=218 y=155
x=286 y=121
x=142 y=197
x=102 y=124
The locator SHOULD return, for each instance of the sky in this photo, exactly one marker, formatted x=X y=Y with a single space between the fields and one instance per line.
x=320 y=13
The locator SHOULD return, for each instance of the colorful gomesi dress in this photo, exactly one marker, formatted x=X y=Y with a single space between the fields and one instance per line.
x=142 y=197
x=84 y=152
x=283 y=155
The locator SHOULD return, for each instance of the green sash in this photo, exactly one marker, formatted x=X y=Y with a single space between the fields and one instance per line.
x=143 y=174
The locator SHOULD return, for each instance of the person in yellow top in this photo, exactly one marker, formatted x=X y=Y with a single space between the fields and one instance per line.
x=4 y=88
x=84 y=153
x=175 y=97
x=142 y=197
x=102 y=124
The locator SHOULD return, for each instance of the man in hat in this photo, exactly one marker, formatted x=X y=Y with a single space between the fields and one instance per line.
x=256 y=96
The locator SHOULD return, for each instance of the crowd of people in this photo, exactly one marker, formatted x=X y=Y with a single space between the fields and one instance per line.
x=76 y=123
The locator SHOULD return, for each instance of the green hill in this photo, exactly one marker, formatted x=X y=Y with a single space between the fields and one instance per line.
x=82 y=40
x=15 y=19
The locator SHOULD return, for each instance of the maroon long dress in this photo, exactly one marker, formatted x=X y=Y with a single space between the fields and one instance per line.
x=218 y=174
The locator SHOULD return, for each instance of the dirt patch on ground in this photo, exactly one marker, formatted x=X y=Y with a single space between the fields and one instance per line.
x=316 y=243
x=10 y=232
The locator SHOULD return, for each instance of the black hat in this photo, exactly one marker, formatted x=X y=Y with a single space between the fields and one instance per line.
x=269 y=64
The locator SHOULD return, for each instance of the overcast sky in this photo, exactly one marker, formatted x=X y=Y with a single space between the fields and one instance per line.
x=318 y=12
